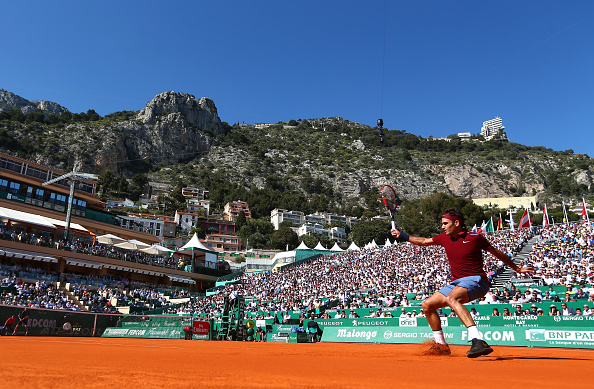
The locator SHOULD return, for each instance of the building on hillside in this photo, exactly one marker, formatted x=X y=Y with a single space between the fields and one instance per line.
x=196 y=193
x=156 y=189
x=119 y=204
x=232 y=210
x=223 y=242
x=334 y=233
x=151 y=226
x=198 y=206
x=330 y=218
x=277 y=216
x=491 y=128
x=186 y=220
x=216 y=226
x=162 y=226
x=507 y=202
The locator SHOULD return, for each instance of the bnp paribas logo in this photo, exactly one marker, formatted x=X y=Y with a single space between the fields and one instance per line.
x=537 y=335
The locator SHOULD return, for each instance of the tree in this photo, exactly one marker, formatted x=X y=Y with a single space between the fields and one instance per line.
x=106 y=181
x=367 y=231
x=240 y=221
x=284 y=236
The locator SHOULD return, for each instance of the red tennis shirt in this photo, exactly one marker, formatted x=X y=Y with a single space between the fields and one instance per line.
x=465 y=253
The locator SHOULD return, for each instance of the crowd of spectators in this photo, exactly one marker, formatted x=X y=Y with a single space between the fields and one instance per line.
x=397 y=275
x=89 y=247
x=564 y=254
x=368 y=278
x=41 y=294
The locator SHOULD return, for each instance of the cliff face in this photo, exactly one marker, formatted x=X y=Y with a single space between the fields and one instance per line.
x=175 y=127
x=9 y=100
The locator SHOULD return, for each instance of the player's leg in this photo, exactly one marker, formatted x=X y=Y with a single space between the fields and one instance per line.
x=430 y=307
x=468 y=289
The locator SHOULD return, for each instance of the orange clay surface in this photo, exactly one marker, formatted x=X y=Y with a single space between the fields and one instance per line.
x=45 y=362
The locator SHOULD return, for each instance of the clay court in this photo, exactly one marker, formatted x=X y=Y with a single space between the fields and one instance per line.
x=37 y=362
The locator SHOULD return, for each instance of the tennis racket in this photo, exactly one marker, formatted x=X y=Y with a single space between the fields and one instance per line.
x=391 y=201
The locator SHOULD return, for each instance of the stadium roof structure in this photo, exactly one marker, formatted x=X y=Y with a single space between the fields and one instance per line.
x=43 y=221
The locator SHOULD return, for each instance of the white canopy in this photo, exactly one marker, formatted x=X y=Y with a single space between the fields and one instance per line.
x=353 y=247
x=388 y=243
x=302 y=246
x=194 y=243
x=132 y=244
x=336 y=247
x=320 y=247
x=373 y=245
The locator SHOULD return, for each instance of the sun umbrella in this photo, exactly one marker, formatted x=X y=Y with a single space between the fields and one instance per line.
x=132 y=244
x=156 y=250
x=110 y=239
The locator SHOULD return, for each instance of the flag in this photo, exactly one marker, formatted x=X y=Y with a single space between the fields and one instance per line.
x=585 y=217
x=545 y=217
x=565 y=218
x=525 y=220
x=489 y=225
x=482 y=229
x=511 y=221
x=474 y=228
x=500 y=223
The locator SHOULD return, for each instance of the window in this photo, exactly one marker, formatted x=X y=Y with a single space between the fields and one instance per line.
x=3 y=184
x=14 y=187
x=29 y=191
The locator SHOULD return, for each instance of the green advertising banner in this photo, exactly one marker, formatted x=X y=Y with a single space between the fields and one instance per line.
x=495 y=336
x=150 y=333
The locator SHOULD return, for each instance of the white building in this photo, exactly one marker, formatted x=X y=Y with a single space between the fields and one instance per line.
x=194 y=205
x=277 y=216
x=492 y=127
x=334 y=233
x=152 y=226
x=186 y=220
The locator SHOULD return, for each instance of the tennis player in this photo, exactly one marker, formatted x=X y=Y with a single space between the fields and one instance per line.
x=464 y=251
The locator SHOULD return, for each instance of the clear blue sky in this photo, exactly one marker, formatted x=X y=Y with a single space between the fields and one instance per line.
x=448 y=65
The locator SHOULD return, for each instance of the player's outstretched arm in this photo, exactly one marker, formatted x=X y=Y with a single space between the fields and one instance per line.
x=402 y=237
x=500 y=255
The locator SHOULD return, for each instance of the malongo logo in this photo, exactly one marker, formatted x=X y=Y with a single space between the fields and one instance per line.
x=354 y=333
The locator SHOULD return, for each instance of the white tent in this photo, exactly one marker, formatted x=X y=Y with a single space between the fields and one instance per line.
x=388 y=243
x=132 y=244
x=194 y=243
x=320 y=247
x=353 y=247
x=302 y=246
x=336 y=247
x=373 y=245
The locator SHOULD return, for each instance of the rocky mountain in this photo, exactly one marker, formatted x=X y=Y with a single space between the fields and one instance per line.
x=9 y=100
x=177 y=138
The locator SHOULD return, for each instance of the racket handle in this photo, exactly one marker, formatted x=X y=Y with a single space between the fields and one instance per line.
x=393 y=225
